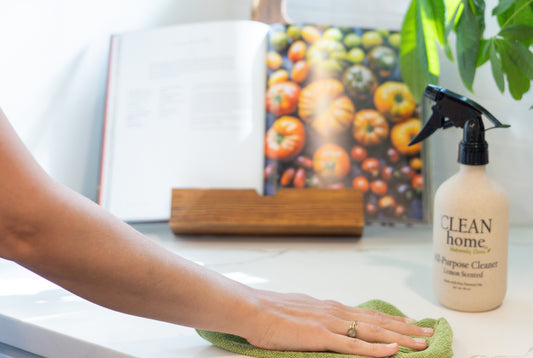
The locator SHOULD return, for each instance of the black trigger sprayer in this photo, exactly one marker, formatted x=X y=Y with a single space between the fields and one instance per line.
x=451 y=109
x=470 y=212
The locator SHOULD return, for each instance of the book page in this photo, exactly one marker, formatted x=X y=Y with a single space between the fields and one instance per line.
x=185 y=110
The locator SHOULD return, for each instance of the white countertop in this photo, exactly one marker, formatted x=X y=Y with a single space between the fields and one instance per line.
x=392 y=264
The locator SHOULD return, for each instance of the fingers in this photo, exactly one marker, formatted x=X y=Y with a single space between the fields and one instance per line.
x=399 y=326
x=378 y=334
x=372 y=333
x=347 y=345
x=396 y=324
x=375 y=334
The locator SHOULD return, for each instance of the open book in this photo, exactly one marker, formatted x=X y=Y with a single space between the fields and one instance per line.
x=241 y=104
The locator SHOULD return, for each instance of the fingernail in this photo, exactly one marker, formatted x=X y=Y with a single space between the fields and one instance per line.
x=392 y=345
x=409 y=320
x=428 y=331
x=420 y=341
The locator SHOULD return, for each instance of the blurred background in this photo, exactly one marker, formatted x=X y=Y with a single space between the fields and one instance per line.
x=53 y=72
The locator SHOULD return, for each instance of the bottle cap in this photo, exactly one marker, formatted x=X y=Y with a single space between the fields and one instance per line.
x=453 y=110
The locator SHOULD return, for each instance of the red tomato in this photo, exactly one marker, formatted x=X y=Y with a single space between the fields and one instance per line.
x=285 y=139
x=371 y=208
x=304 y=161
x=399 y=210
x=299 y=178
x=287 y=176
x=282 y=98
x=297 y=51
x=358 y=153
x=387 y=172
x=418 y=182
x=379 y=187
x=331 y=161
x=361 y=183
x=371 y=166
x=393 y=155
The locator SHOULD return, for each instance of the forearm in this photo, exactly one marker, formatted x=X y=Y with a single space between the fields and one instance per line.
x=73 y=242
x=98 y=257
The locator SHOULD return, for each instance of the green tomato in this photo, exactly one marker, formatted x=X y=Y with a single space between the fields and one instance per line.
x=382 y=60
x=294 y=32
x=333 y=34
x=359 y=82
x=327 y=56
x=356 y=55
x=352 y=40
x=279 y=40
x=371 y=39
x=395 y=40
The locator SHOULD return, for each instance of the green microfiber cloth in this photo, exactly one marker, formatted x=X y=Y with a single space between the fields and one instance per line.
x=439 y=345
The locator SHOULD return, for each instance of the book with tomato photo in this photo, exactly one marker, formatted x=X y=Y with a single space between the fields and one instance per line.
x=339 y=116
x=186 y=109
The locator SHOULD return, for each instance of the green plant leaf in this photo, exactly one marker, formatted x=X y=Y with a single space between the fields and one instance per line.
x=502 y=6
x=414 y=65
x=453 y=9
x=519 y=12
x=432 y=15
x=468 y=42
x=517 y=32
x=520 y=55
x=484 y=48
x=496 y=66
x=478 y=8
x=518 y=83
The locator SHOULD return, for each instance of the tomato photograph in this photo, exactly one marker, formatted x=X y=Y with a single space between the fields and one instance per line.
x=338 y=115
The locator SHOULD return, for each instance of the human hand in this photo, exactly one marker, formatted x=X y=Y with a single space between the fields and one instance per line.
x=299 y=322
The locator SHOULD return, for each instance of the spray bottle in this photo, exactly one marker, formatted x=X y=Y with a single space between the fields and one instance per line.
x=471 y=212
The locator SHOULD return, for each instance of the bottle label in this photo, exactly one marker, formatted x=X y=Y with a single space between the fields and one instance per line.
x=464 y=253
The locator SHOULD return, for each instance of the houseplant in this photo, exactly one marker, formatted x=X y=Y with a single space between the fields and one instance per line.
x=429 y=24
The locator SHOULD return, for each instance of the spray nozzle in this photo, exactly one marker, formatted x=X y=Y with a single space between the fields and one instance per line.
x=453 y=110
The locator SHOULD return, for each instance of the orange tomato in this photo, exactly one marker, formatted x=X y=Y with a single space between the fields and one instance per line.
x=273 y=60
x=395 y=101
x=285 y=139
x=325 y=107
x=282 y=98
x=297 y=51
x=311 y=34
x=416 y=163
x=331 y=161
x=370 y=127
x=278 y=76
x=402 y=133
x=299 y=71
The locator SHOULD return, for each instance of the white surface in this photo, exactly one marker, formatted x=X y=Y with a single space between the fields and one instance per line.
x=393 y=264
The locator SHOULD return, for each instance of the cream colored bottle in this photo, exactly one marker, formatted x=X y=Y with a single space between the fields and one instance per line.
x=470 y=214
x=470 y=241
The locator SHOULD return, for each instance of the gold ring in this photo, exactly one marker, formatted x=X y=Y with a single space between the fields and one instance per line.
x=352 y=331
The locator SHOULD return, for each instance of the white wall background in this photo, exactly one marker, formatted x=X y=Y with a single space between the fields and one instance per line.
x=53 y=68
